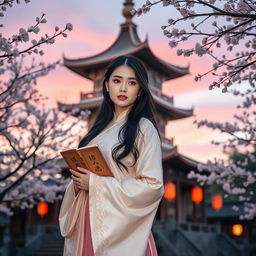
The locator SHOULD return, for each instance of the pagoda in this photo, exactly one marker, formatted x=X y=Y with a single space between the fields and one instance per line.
x=176 y=166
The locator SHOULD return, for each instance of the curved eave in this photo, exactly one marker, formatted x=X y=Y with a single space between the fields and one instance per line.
x=89 y=104
x=126 y=42
x=185 y=161
x=167 y=147
x=169 y=70
x=83 y=66
x=171 y=111
x=170 y=153
x=142 y=51
x=191 y=162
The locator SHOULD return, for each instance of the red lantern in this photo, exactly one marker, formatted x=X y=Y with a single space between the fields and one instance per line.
x=217 y=202
x=42 y=208
x=169 y=191
x=197 y=194
x=237 y=229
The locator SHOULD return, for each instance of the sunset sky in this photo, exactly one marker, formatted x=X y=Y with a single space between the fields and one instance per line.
x=96 y=26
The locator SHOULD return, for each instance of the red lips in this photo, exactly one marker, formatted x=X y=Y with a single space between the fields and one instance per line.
x=121 y=97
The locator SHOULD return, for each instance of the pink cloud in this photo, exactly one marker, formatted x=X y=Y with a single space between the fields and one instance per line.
x=64 y=87
x=196 y=65
x=84 y=41
x=97 y=42
x=196 y=142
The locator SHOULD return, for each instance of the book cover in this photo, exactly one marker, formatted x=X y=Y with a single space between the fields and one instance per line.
x=88 y=157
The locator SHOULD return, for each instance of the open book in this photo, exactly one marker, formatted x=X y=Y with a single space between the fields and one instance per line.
x=88 y=157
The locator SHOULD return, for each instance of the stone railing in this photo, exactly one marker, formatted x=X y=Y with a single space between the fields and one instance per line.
x=228 y=245
x=199 y=227
x=189 y=226
x=192 y=239
x=37 y=235
x=186 y=246
x=177 y=238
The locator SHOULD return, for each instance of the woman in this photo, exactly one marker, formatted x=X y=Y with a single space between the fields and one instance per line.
x=112 y=216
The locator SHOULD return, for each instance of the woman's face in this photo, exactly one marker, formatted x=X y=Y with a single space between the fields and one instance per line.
x=123 y=82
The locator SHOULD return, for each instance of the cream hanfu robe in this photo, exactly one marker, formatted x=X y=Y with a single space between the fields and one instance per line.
x=121 y=209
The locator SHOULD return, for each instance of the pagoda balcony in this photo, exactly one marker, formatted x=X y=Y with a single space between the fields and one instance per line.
x=167 y=143
x=90 y=95
x=159 y=94
x=155 y=91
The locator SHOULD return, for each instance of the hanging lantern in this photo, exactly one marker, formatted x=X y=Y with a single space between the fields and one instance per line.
x=170 y=191
x=42 y=208
x=217 y=202
x=237 y=229
x=197 y=194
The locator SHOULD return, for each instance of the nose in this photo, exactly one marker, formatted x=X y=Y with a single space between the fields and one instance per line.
x=123 y=86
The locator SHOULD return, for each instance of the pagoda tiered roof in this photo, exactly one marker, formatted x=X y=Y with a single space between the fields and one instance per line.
x=127 y=43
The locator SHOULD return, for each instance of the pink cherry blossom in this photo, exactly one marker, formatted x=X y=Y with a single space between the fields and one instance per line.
x=224 y=30
x=31 y=135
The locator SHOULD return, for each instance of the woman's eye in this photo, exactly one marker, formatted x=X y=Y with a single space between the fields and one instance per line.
x=116 y=81
x=133 y=83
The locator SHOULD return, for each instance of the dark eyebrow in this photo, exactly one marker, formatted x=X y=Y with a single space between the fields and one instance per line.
x=128 y=77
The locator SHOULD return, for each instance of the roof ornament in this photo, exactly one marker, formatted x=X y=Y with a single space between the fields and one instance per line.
x=128 y=7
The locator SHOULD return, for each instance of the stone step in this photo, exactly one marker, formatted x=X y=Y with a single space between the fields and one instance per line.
x=47 y=254
x=52 y=248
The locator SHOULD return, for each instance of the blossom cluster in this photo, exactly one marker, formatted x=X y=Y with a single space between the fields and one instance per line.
x=31 y=134
x=224 y=30
x=216 y=25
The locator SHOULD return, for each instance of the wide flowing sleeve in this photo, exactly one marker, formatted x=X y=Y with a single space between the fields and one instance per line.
x=72 y=220
x=124 y=210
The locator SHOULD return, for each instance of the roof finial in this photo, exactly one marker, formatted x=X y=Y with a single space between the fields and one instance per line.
x=128 y=7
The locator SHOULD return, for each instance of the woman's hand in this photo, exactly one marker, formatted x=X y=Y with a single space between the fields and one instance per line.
x=80 y=179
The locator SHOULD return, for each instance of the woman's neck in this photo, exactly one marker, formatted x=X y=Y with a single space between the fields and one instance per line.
x=119 y=114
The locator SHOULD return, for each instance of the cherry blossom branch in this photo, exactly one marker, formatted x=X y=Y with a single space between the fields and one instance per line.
x=31 y=135
x=230 y=31
x=13 y=185
x=242 y=16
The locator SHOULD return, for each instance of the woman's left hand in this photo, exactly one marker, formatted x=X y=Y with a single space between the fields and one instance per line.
x=81 y=178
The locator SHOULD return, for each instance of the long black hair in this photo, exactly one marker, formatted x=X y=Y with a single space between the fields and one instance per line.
x=142 y=107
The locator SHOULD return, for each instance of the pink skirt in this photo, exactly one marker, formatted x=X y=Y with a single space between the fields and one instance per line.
x=88 y=247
